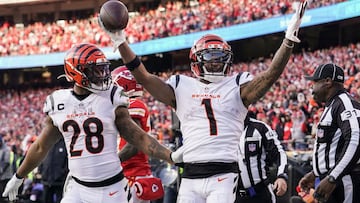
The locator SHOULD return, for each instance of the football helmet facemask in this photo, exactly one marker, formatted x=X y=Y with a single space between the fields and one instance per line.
x=211 y=58
x=87 y=66
x=121 y=76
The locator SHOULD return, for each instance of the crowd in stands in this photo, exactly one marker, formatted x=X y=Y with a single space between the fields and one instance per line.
x=288 y=107
x=171 y=19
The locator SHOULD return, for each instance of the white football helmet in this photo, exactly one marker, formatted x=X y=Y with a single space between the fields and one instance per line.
x=121 y=76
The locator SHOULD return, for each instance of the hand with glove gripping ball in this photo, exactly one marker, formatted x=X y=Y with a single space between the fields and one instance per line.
x=117 y=36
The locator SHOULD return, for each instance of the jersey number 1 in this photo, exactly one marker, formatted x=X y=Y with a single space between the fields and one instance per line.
x=210 y=116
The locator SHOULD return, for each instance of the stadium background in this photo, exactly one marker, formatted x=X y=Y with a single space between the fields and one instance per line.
x=258 y=47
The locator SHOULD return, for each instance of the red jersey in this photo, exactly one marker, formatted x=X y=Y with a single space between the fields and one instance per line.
x=137 y=165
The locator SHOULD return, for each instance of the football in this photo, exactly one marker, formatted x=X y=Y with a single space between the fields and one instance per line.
x=114 y=15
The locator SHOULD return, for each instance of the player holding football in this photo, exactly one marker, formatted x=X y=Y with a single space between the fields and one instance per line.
x=211 y=109
x=135 y=163
x=89 y=117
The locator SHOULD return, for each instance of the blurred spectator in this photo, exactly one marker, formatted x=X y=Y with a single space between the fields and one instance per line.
x=54 y=170
x=169 y=19
x=5 y=166
x=299 y=129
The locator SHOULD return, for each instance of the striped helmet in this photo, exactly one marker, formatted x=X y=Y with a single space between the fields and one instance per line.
x=211 y=58
x=87 y=66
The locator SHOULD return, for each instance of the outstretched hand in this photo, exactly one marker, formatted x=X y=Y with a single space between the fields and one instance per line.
x=294 y=24
x=117 y=36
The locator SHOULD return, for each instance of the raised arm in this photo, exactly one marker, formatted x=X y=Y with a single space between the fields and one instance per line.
x=153 y=84
x=255 y=89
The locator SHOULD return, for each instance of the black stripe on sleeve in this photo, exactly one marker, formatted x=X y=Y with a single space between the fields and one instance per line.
x=177 y=79
x=113 y=90
x=238 y=78
x=52 y=102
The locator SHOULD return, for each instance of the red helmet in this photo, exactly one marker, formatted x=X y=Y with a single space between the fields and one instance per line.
x=87 y=66
x=211 y=58
x=121 y=76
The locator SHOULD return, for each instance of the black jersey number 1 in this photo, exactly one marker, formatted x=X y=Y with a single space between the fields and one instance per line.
x=210 y=115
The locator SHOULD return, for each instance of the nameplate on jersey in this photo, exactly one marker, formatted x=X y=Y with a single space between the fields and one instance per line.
x=348 y=114
x=270 y=135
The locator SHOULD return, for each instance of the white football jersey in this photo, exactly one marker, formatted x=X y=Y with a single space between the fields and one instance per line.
x=88 y=127
x=211 y=117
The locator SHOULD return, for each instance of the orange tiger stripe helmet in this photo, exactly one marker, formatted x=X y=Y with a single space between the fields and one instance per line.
x=88 y=67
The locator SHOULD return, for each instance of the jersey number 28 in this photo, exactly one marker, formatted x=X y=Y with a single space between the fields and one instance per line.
x=89 y=135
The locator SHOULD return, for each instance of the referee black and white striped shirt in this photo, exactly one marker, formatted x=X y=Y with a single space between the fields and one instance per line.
x=259 y=149
x=337 y=145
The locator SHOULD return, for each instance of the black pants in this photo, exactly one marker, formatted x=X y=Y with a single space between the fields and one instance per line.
x=263 y=195
x=2 y=188
x=338 y=195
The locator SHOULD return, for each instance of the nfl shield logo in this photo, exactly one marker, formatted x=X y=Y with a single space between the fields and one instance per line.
x=252 y=147
x=320 y=133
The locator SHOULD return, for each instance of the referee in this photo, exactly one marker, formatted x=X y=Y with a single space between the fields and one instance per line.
x=259 y=150
x=336 y=153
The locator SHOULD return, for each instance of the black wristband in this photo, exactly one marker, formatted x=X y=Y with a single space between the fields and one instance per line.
x=132 y=65
x=17 y=176
x=171 y=157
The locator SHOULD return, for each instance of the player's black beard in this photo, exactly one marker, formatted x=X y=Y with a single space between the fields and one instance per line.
x=80 y=97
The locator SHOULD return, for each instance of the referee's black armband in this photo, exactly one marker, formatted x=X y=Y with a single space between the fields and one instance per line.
x=132 y=65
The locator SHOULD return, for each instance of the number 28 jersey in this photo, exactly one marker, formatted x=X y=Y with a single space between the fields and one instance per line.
x=211 y=117
x=89 y=131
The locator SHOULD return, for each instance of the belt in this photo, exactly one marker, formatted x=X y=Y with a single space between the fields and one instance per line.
x=117 y=178
x=252 y=191
x=208 y=169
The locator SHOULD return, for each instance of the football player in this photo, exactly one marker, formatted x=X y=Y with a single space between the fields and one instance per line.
x=89 y=117
x=211 y=108
x=144 y=186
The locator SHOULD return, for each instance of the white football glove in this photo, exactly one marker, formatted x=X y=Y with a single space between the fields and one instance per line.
x=177 y=156
x=12 y=188
x=294 y=24
x=117 y=36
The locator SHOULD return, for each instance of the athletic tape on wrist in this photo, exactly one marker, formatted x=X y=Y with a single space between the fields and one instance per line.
x=132 y=65
x=287 y=44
